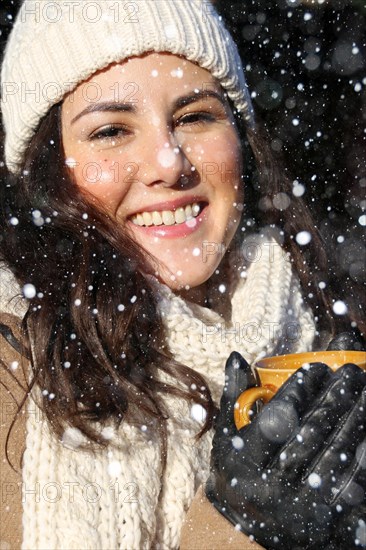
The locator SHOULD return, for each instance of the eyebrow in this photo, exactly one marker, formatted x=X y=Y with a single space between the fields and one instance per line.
x=114 y=107
x=197 y=96
x=107 y=106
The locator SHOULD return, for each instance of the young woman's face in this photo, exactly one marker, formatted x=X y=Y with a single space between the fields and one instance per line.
x=153 y=141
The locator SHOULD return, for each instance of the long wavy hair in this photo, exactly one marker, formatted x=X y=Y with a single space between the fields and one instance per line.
x=93 y=330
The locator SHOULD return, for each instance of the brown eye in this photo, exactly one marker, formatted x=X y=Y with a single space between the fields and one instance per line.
x=196 y=118
x=112 y=131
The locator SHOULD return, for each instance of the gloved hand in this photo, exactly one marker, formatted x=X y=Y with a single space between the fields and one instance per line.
x=346 y=341
x=296 y=476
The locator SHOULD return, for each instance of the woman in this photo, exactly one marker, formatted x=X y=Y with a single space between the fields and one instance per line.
x=123 y=229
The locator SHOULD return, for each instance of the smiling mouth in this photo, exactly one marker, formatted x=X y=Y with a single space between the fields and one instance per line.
x=168 y=217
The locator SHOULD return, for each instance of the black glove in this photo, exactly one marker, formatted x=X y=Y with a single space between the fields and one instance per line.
x=296 y=476
x=346 y=341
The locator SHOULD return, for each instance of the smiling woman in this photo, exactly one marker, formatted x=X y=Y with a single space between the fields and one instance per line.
x=131 y=271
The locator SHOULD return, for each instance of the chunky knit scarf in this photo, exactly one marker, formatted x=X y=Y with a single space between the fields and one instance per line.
x=110 y=499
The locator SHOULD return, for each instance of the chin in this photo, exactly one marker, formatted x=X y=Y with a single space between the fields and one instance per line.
x=186 y=281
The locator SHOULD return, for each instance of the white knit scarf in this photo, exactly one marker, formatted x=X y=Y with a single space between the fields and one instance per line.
x=110 y=500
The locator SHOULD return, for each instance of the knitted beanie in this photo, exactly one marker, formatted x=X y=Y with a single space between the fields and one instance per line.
x=56 y=45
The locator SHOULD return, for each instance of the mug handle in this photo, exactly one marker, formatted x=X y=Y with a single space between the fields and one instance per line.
x=245 y=402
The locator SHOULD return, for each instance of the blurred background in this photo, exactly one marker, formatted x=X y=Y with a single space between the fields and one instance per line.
x=306 y=68
x=305 y=63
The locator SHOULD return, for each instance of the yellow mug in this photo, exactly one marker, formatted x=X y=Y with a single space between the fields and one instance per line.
x=274 y=371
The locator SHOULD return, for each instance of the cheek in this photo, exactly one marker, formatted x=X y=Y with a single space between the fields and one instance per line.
x=222 y=149
x=220 y=163
x=100 y=178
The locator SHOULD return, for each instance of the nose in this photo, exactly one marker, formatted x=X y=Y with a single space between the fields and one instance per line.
x=163 y=161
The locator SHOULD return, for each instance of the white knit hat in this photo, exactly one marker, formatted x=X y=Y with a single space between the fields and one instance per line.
x=56 y=45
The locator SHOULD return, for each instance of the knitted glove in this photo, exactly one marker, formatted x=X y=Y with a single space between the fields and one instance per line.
x=296 y=476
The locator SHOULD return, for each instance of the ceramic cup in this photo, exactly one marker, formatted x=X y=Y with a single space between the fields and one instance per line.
x=274 y=371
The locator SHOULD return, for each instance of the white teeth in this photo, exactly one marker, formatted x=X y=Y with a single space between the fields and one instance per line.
x=156 y=218
x=167 y=217
x=188 y=211
x=146 y=218
x=180 y=215
x=195 y=209
x=139 y=220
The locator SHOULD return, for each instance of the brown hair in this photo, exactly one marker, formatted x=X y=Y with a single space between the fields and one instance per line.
x=84 y=267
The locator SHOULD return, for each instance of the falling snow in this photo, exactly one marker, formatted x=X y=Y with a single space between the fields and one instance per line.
x=70 y=162
x=298 y=189
x=114 y=468
x=177 y=73
x=198 y=413
x=237 y=442
x=29 y=291
x=166 y=158
x=303 y=238
x=340 y=308
x=314 y=480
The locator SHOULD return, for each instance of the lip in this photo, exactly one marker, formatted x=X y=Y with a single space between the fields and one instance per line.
x=169 y=205
x=172 y=231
